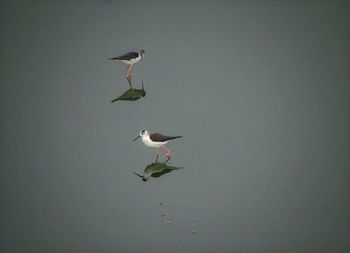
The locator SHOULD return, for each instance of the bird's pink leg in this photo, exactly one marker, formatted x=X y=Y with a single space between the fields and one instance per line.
x=128 y=75
x=167 y=154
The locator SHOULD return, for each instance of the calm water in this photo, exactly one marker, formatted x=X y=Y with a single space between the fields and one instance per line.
x=260 y=93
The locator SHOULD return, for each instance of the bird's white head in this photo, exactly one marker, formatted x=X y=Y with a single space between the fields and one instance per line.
x=143 y=133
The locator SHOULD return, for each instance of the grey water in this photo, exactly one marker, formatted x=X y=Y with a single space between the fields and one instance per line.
x=258 y=89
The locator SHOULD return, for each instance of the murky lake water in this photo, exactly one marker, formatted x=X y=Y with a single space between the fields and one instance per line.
x=259 y=91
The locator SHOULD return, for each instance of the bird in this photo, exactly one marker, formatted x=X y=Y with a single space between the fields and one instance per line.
x=156 y=140
x=130 y=59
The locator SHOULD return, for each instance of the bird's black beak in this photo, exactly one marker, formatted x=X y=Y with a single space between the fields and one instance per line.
x=136 y=138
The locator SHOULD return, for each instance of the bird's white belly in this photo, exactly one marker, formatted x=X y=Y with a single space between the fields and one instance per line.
x=147 y=141
x=131 y=61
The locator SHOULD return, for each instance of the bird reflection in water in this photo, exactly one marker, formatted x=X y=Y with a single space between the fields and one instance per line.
x=156 y=170
x=132 y=94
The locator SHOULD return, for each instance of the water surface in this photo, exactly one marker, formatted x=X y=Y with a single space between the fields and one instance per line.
x=260 y=92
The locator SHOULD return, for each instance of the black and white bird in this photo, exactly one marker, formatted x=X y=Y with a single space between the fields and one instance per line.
x=130 y=59
x=157 y=141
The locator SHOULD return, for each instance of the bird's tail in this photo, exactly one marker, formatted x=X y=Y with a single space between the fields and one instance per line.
x=175 y=137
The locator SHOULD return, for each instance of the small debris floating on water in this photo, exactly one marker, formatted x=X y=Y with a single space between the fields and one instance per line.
x=162 y=203
x=193 y=231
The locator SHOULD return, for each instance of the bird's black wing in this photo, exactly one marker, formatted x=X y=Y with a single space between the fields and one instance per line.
x=161 y=138
x=127 y=56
